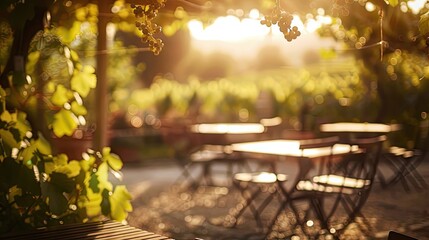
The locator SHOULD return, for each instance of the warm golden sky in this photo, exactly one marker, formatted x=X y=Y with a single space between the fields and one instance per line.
x=243 y=38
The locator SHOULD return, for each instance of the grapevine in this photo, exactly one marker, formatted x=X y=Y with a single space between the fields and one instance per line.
x=284 y=21
x=145 y=14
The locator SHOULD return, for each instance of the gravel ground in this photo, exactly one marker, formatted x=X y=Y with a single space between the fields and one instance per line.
x=160 y=206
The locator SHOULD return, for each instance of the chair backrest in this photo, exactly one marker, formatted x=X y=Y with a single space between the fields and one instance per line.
x=176 y=135
x=318 y=142
x=351 y=180
x=315 y=164
x=363 y=163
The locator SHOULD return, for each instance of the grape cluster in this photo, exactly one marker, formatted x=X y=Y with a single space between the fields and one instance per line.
x=145 y=14
x=284 y=20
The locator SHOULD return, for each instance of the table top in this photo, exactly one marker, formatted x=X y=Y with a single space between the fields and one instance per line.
x=228 y=128
x=290 y=148
x=351 y=127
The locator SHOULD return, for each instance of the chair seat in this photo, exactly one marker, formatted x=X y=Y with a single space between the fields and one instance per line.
x=310 y=186
x=332 y=183
x=341 y=181
x=260 y=177
x=207 y=155
x=399 y=151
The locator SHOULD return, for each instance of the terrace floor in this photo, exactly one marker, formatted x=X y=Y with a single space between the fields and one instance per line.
x=161 y=208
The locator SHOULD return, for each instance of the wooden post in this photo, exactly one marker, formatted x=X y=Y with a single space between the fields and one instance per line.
x=101 y=91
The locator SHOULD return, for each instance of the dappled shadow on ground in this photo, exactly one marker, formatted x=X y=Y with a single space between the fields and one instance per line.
x=206 y=213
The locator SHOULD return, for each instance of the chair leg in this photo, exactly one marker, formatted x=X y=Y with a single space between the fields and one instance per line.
x=406 y=172
x=248 y=201
x=282 y=208
x=185 y=177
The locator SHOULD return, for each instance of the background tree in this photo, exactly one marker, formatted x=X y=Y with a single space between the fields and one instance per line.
x=389 y=43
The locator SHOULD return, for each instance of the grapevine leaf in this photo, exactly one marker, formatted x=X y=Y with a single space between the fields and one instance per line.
x=92 y=203
x=112 y=159
x=60 y=159
x=424 y=23
x=27 y=180
x=60 y=96
x=83 y=81
x=15 y=133
x=8 y=139
x=120 y=203
x=393 y=3
x=9 y=169
x=74 y=167
x=43 y=145
x=64 y=123
x=56 y=200
x=105 y=203
x=78 y=109
x=28 y=153
x=94 y=182
x=24 y=201
x=62 y=183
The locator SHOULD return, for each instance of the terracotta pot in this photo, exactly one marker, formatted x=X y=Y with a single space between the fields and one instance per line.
x=73 y=145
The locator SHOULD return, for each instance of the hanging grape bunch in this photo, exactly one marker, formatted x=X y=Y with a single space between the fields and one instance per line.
x=145 y=15
x=284 y=20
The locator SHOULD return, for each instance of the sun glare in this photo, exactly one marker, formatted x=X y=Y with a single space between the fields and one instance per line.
x=228 y=29
x=243 y=37
x=233 y=29
x=416 y=5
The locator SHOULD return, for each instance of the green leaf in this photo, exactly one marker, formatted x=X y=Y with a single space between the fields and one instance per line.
x=393 y=3
x=25 y=201
x=9 y=169
x=55 y=198
x=112 y=159
x=74 y=167
x=424 y=23
x=105 y=203
x=62 y=183
x=28 y=153
x=43 y=145
x=65 y=123
x=83 y=81
x=120 y=203
x=8 y=139
x=59 y=98
x=60 y=159
x=78 y=109
x=16 y=134
x=27 y=180
x=94 y=182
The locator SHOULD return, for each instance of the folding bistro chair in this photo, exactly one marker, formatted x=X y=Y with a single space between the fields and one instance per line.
x=337 y=197
x=260 y=188
x=403 y=164
x=188 y=153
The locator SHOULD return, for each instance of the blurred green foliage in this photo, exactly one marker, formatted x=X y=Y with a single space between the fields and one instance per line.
x=334 y=87
x=42 y=96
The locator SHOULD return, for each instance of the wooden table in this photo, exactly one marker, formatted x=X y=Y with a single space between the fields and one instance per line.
x=228 y=128
x=278 y=150
x=210 y=144
x=291 y=149
x=226 y=133
x=288 y=148
x=351 y=127
x=93 y=230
